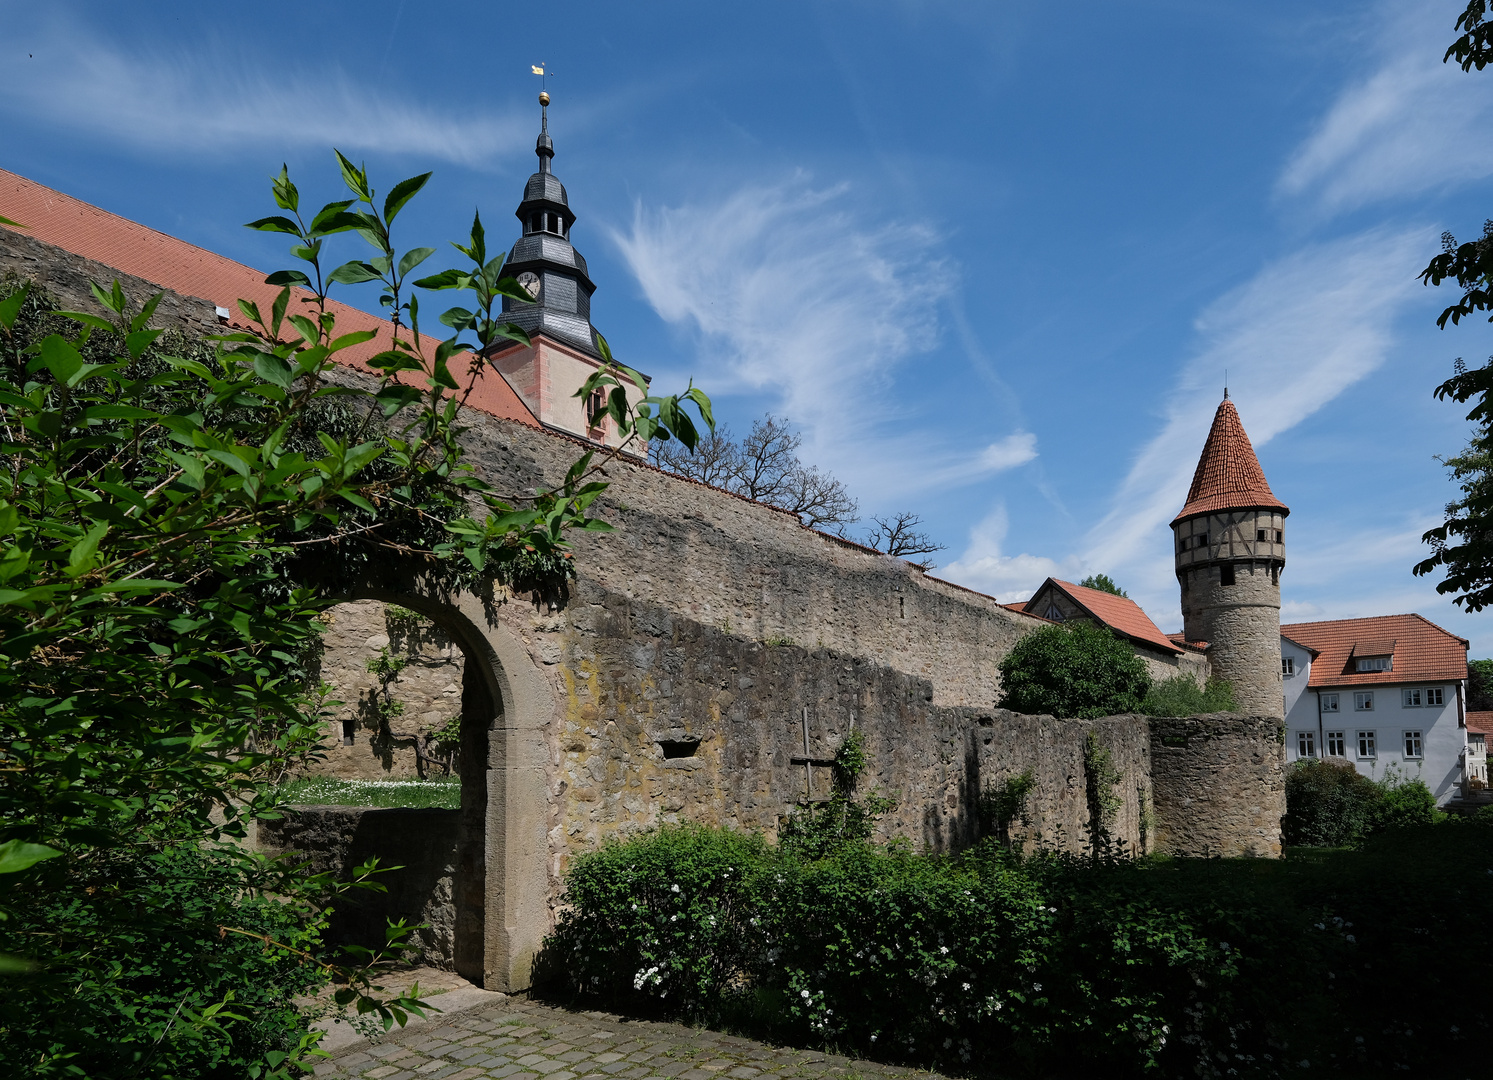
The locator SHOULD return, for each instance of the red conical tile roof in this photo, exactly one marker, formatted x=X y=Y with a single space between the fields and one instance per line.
x=1228 y=476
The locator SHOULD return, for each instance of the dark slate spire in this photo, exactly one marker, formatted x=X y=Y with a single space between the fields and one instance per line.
x=544 y=257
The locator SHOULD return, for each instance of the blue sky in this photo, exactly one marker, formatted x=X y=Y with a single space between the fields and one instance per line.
x=993 y=259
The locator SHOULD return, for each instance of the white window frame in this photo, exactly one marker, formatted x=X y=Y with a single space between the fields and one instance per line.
x=1337 y=744
x=1368 y=748
x=1435 y=695
x=1374 y=663
x=1306 y=744
x=1413 y=745
x=1288 y=665
x=1411 y=696
x=1329 y=703
x=1363 y=701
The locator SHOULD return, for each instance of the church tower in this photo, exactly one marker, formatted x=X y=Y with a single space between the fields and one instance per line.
x=1230 y=550
x=564 y=352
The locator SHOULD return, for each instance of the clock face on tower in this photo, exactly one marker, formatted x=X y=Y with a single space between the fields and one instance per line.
x=530 y=281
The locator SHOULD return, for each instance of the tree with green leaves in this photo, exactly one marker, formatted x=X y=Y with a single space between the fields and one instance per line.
x=1479 y=685
x=1076 y=669
x=1462 y=546
x=1104 y=583
x=174 y=517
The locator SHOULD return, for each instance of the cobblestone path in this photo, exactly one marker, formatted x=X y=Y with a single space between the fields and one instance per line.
x=514 y=1039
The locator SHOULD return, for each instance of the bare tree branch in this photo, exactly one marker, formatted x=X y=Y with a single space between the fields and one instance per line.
x=764 y=466
x=715 y=460
x=898 y=535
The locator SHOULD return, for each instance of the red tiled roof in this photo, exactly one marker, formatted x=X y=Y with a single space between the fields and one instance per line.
x=1422 y=650
x=1228 y=475
x=75 y=226
x=1181 y=639
x=1480 y=722
x=1119 y=613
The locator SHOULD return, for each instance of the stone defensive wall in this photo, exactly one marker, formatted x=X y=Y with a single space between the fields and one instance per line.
x=705 y=666
x=1200 y=786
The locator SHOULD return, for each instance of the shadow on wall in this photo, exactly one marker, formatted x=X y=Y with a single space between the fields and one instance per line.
x=954 y=822
x=419 y=846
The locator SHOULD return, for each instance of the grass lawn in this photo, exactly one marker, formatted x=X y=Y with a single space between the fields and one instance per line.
x=444 y=792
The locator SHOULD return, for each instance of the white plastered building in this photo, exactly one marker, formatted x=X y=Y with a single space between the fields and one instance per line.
x=1384 y=694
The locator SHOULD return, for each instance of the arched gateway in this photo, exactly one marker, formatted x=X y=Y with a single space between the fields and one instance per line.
x=501 y=888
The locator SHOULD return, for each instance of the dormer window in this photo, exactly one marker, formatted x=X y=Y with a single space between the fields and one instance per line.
x=1374 y=663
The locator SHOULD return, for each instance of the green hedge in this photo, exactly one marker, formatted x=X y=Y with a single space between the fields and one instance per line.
x=1182 y=696
x=1331 y=804
x=137 y=960
x=990 y=964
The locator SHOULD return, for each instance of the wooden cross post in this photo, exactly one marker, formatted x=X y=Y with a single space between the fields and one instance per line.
x=809 y=762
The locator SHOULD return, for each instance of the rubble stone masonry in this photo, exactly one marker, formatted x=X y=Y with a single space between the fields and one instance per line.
x=677 y=679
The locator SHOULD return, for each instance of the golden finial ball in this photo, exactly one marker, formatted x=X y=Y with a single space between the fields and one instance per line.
x=544 y=98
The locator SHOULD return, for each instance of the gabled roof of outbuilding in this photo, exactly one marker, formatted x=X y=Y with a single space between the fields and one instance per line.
x=1119 y=613
x=1421 y=651
x=75 y=226
x=1228 y=475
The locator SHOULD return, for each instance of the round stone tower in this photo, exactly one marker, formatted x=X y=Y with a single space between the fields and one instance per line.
x=1230 y=550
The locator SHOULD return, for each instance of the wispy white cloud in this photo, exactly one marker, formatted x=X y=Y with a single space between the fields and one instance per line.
x=985 y=567
x=1413 y=125
x=789 y=290
x=1013 y=450
x=208 y=98
x=1292 y=339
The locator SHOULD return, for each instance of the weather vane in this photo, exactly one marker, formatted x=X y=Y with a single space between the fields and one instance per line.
x=540 y=69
